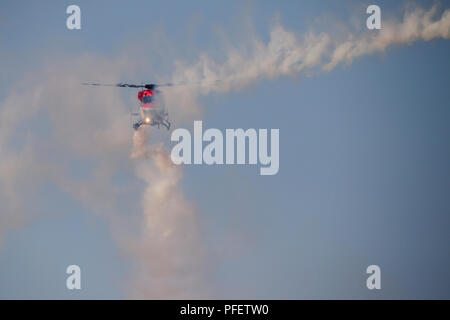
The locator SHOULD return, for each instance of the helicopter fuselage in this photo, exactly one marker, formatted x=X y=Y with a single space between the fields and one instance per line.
x=151 y=110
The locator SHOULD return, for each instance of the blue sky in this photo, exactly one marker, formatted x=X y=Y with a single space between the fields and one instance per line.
x=364 y=154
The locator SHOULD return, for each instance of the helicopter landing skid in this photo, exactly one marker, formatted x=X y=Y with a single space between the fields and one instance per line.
x=137 y=125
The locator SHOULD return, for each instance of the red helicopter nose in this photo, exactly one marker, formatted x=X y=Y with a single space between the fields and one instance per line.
x=144 y=93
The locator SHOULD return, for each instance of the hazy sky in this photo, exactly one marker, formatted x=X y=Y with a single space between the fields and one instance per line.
x=364 y=156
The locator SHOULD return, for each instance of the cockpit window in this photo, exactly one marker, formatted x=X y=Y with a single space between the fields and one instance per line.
x=147 y=99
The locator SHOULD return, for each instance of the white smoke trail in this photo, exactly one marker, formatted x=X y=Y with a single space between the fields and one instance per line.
x=286 y=54
x=170 y=254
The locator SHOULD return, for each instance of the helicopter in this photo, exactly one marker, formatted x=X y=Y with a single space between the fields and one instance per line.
x=152 y=111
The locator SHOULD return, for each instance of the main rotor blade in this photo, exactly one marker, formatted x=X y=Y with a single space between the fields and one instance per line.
x=122 y=85
x=150 y=86
x=126 y=85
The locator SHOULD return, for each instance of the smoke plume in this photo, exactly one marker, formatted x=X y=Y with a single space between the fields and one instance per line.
x=287 y=54
x=170 y=254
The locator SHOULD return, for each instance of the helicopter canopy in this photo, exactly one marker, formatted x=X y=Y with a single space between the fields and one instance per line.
x=146 y=95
